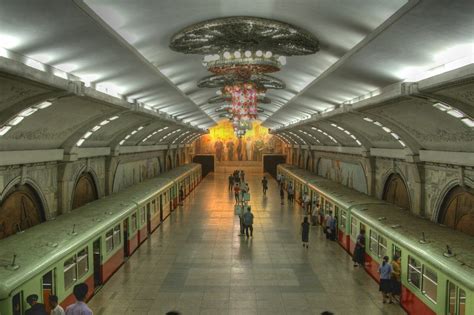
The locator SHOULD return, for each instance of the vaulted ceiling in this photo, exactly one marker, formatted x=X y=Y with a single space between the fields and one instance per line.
x=123 y=46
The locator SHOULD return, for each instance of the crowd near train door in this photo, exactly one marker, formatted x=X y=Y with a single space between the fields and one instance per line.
x=48 y=287
x=126 y=249
x=96 y=248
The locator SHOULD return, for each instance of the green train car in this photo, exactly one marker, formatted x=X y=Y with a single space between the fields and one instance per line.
x=88 y=244
x=435 y=279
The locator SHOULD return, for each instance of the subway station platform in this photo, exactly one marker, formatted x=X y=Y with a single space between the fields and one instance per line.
x=196 y=263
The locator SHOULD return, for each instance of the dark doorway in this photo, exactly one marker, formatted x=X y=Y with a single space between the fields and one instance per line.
x=270 y=163
x=126 y=248
x=207 y=163
x=96 y=248
x=16 y=303
x=48 y=288
x=161 y=207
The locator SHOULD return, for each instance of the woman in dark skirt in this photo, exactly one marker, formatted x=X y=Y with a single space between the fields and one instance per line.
x=359 y=252
x=305 y=232
x=385 y=271
x=396 y=279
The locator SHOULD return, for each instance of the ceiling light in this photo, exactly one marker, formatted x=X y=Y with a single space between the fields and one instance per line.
x=395 y=135
x=95 y=128
x=282 y=60
x=15 y=121
x=113 y=118
x=358 y=142
x=386 y=129
x=27 y=112
x=227 y=55
x=259 y=53
x=455 y=113
x=268 y=54
x=122 y=142
x=87 y=134
x=378 y=124
x=402 y=143
x=237 y=54
x=80 y=142
x=105 y=122
x=248 y=53
x=334 y=125
x=441 y=106
x=368 y=119
x=4 y=130
x=44 y=104
x=468 y=122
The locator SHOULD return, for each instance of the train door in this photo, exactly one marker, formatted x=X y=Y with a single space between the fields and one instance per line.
x=171 y=199
x=161 y=207
x=17 y=307
x=96 y=249
x=126 y=248
x=48 y=287
x=148 y=218
x=456 y=300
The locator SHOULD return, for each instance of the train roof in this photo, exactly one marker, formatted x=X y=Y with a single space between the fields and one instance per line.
x=44 y=244
x=338 y=193
x=406 y=229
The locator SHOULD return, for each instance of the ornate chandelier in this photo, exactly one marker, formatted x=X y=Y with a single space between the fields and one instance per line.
x=240 y=51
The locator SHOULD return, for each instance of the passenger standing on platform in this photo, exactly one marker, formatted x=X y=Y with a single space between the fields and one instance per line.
x=181 y=195
x=231 y=182
x=56 y=309
x=35 y=307
x=305 y=232
x=327 y=225
x=237 y=193
x=278 y=179
x=264 y=185
x=332 y=228
x=306 y=201
x=385 y=271
x=248 y=221
x=282 y=194
x=359 y=251
x=80 y=307
x=241 y=218
x=290 y=192
x=396 y=277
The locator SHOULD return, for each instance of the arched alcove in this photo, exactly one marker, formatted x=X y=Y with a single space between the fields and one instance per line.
x=457 y=210
x=85 y=191
x=395 y=191
x=20 y=210
x=309 y=163
x=160 y=167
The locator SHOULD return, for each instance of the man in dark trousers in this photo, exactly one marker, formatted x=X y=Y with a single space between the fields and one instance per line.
x=264 y=185
x=36 y=308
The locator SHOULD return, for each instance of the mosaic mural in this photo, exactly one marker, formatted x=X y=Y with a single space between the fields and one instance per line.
x=222 y=142
x=348 y=174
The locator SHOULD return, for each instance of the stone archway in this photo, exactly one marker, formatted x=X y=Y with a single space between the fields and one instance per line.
x=396 y=192
x=457 y=210
x=85 y=191
x=20 y=210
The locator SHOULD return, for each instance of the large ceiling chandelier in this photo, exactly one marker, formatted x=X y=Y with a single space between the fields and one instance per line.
x=240 y=51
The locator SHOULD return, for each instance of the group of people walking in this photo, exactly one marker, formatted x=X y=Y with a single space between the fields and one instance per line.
x=79 y=308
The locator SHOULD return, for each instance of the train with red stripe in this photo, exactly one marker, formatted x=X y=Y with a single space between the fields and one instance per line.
x=437 y=262
x=88 y=244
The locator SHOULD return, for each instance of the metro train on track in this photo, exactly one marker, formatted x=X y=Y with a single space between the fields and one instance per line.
x=435 y=279
x=88 y=244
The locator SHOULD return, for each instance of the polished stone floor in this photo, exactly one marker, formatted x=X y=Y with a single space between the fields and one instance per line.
x=197 y=263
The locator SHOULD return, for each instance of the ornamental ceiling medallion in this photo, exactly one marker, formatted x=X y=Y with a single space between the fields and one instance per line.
x=240 y=51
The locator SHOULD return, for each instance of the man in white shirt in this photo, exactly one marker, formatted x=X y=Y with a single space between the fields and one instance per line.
x=56 y=309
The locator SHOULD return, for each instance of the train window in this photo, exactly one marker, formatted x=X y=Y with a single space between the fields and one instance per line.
x=70 y=275
x=396 y=251
x=343 y=220
x=373 y=242
x=116 y=235
x=153 y=206
x=430 y=284
x=353 y=227
x=382 y=250
x=82 y=262
x=142 y=216
x=16 y=303
x=462 y=302
x=134 y=222
x=109 y=240
x=414 y=272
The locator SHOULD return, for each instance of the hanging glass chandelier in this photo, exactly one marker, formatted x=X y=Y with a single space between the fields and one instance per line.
x=240 y=51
